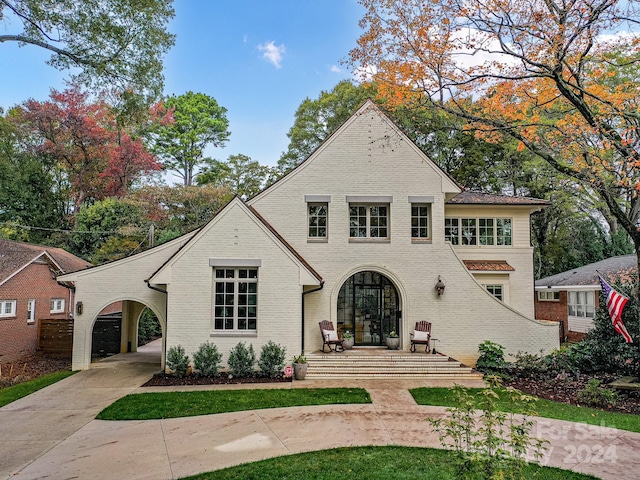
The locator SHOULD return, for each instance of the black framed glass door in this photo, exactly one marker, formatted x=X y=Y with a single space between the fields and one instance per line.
x=368 y=308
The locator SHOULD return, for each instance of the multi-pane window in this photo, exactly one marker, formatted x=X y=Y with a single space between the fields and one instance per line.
x=496 y=291
x=452 y=230
x=236 y=299
x=549 y=296
x=31 y=311
x=318 y=220
x=8 y=308
x=369 y=221
x=478 y=231
x=56 y=305
x=420 y=221
x=581 y=304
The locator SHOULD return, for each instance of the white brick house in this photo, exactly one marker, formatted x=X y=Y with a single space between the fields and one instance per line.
x=358 y=234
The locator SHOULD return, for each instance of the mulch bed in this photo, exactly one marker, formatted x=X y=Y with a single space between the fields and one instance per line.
x=30 y=367
x=566 y=391
x=164 y=380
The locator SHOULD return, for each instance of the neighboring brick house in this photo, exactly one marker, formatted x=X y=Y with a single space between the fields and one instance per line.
x=29 y=291
x=572 y=297
x=361 y=233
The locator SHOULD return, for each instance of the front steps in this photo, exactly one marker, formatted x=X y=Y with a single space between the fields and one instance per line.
x=382 y=363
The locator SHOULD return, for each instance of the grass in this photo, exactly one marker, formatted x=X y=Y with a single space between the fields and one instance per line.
x=15 y=392
x=148 y=406
x=545 y=408
x=373 y=463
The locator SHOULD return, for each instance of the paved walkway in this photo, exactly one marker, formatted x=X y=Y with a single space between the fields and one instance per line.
x=51 y=434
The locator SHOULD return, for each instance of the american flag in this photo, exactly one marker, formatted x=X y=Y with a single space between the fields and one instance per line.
x=615 y=305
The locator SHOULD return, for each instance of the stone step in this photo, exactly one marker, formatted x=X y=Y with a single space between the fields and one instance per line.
x=382 y=363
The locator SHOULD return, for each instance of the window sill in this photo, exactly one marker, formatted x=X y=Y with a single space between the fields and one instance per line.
x=234 y=333
x=369 y=240
x=8 y=317
x=317 y=240
x=421 y=240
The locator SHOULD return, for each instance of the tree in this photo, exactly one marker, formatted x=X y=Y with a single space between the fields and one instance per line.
x=240 y=174
x=198 y=121
x=81 y=135
x=110 y=41
x=560 y=78
x=316 y=119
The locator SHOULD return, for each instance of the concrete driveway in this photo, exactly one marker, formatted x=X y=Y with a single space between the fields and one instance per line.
x=56 y=438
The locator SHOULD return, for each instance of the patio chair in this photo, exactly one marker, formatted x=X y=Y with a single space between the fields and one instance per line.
x=330 y=337
x=421 y=336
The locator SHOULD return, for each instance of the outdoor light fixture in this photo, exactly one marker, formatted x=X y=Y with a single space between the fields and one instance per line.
x=440 y=286
x=79 y=307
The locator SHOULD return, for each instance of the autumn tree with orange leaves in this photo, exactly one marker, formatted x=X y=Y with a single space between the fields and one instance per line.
x=560 y=77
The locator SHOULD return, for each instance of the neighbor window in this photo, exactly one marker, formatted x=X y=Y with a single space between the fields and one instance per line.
x=420 y=221
x=31 y=311
x=318 y=220
x=57 y=305
x=478 y=231
x=8 y=308
x=496 y=291
x=236 y=299
x=581 y=304
x=548 y=296
x=369 y=221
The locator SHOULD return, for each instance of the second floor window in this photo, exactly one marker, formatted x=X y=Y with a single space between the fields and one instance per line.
x=318 y=220
x=7 y=308
x=478 y=231
x=56 y=305
x=369 y=221
x=420 y=221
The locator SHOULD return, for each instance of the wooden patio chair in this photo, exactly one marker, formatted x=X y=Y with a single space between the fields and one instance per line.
x=330 y=337
x=421 y=336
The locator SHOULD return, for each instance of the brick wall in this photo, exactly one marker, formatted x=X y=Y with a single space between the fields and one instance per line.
x=37 y=282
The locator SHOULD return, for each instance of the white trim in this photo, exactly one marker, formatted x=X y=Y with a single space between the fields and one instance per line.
x=55 y=309
x=31 y=309
x=573 y=288
x=421 y=198
x=14 y=308
x=235 y=262
x=43 y=253
x=369 y=198
x=317 y=198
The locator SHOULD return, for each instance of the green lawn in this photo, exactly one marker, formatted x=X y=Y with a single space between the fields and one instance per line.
x=148 y=406
x=545 y=408
x=11 y=394
x=372 y=463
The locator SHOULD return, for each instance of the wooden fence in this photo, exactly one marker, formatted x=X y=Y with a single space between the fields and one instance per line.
x=55 y=337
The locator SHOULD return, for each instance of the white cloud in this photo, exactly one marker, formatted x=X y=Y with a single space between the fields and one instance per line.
x=272 y=53
x=335 y=69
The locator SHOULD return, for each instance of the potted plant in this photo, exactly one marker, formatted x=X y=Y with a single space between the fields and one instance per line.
x=300 y=367
x=393 y=340
x=348 y=340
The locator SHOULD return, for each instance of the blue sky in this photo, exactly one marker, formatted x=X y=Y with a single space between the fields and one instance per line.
x=259 y=59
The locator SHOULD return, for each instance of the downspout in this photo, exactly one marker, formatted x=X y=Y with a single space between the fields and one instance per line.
x=303 y=294
x=166 y=319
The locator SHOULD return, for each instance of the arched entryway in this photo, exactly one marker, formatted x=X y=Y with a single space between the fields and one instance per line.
x=368 y=306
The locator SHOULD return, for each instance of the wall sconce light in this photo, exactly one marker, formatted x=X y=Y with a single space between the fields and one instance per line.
x=79 y=308
x=440 y=286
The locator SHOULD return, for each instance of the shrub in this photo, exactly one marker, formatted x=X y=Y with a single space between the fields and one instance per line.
x=148 y=327
x=529 y=365
x=491 y=360
x=271 y=360
x=597 y=396
x=242 y=360
x=207 y=359
x=177 y=361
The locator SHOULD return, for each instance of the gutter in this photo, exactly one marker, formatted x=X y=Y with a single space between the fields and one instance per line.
x=303 y=294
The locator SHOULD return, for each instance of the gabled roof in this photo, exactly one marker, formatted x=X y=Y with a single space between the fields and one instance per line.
x=488 y=266
x=469 y=197
x=15 y=256
x=623 y=268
